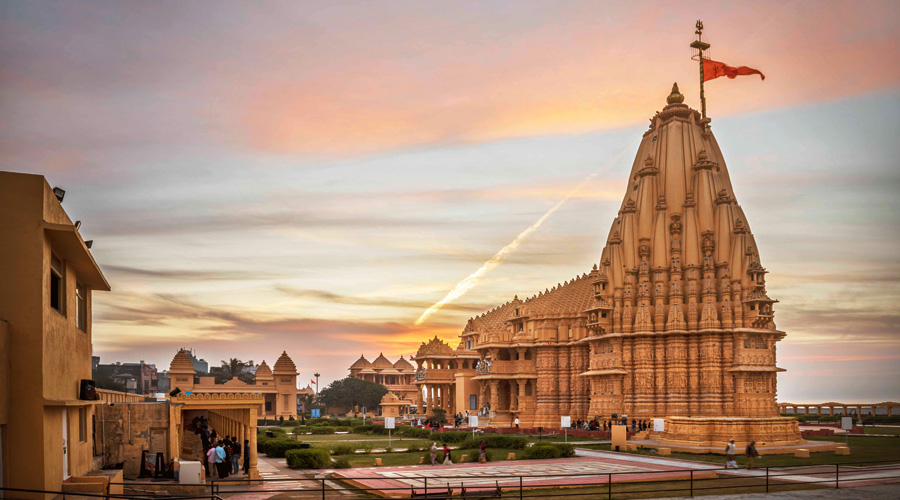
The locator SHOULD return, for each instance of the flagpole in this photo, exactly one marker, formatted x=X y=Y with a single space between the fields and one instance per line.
x=700 y=45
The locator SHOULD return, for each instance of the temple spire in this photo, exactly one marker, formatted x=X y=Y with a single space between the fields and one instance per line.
x=700 y=46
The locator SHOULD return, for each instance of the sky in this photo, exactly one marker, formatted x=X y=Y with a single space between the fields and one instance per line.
x=312 y=176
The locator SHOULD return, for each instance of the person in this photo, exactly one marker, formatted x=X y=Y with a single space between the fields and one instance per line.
x=211 y=470
x=517 y=422
x=433 y=453
x=235 y=456
x=246 y=456
x=447 y=460
x=229 y=453
x=729 y=455
x=281 y=420
x=482 y=452
x=751 y=453
x=220 y=460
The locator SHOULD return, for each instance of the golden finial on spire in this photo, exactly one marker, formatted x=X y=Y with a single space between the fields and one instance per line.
x=675 y=97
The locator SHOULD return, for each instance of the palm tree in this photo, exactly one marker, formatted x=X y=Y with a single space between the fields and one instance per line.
x=231 y=369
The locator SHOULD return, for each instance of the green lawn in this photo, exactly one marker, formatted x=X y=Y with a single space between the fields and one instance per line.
x=861 y=449
x=893 y=431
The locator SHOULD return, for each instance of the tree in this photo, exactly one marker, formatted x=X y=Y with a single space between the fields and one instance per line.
x=104 y=380
x=231 y=369
x=350 y=392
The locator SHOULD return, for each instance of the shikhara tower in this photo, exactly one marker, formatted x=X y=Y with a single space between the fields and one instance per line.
x=674 y=322
x=682 y=324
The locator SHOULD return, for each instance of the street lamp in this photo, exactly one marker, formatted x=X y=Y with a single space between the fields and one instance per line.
x=317 y=383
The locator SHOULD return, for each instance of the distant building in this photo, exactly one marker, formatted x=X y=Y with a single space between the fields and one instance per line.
x=136 y=378
x=200 y=365
x=301 y=397
x=162 y=379
x=46 y=296
x=398 y=377
x=278 y=384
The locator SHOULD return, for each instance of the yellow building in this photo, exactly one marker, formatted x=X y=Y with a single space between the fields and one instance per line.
x=49 y=276
x=278 y=385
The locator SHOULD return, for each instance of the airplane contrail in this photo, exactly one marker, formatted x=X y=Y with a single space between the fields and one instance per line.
x=470 y=281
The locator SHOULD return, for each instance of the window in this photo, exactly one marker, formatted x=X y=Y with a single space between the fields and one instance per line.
x=268 y=406
x=57 y=287
x=473 y=401
x=80 y=307
x=82 y=425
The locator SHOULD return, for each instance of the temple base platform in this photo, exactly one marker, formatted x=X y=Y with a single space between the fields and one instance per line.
x=711 y=435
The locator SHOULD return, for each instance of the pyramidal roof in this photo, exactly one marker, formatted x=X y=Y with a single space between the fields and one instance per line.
x=181 y=363
x=403 y=364
x=382 y=362
x=263 y=370
x=679 y=232
x=361 y=363
x=284 y=365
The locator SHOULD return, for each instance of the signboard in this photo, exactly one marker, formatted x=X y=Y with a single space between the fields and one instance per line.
x=473 y=421
x=389 y=423
x=847 y=423
x=565 y=422
x=659 y=425
x=315 y=413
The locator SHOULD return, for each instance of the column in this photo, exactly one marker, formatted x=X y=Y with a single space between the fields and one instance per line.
x=429 y=391
x=254 y=468
x=521 y=402
x=495 y=396
x=513 y=392
x=420 y=401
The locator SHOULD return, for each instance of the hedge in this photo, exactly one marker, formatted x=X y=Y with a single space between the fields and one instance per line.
x=557 y=450
x=451 y=436
x=321 y=430
x=308 y=458
x=496 y=441
x=276 y=448
x=340 y=448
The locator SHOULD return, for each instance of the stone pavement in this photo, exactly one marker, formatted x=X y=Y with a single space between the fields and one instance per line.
x=881 y=492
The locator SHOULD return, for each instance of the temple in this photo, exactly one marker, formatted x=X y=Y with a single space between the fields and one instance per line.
x=673 y=322
x=397 y=376
x=277 y=385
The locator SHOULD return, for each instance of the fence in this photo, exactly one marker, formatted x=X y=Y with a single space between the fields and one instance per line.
x=678 y=482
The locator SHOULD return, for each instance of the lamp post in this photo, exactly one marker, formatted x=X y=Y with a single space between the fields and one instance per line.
x=317 y=383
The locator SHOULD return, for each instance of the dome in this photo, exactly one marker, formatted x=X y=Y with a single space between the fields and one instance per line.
x=403 y=365
x=361 y=363
x=263 y=371
x=285 y=365
x=382 y=362
x=181 y=363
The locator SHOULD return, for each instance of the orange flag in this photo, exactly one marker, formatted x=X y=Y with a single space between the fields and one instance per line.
x=714 y=69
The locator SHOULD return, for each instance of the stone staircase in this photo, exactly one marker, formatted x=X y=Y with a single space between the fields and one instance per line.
x=191 y=446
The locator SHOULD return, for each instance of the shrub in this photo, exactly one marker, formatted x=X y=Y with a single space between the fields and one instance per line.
x=565 y=450
x=367 y=447
x=309 y=458
x=452 y=436
x=277 y=448
x=321 y=430
x=555 y=450
x=342 y=449
x=341 y=463
x=473 y=455
x=541 y=451
x=496 y=441
x=301 y=429
x=413 y=432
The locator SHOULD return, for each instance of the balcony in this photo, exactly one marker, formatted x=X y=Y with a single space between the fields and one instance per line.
x=440 y=375
x=508 y=368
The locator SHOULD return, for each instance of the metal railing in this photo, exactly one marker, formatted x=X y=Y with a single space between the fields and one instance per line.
x=609 y=485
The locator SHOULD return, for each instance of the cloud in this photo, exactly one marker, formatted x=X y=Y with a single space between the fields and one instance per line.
x=324 y=296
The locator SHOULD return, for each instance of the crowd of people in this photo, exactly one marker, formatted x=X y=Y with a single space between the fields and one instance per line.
x=223 y=455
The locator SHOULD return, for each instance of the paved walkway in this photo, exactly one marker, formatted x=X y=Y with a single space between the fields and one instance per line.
x=881 y=492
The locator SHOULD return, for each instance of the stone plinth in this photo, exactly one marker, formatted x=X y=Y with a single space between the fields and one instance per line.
x=766 y=431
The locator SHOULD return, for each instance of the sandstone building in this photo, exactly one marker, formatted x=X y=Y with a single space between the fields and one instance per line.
x=674 y=321
x=277 y=385
x=398 y=376
x=49 y=277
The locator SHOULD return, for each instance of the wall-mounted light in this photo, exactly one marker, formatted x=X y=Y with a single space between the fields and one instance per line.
x=88 y=243
x=60 y=193
x=77 y=224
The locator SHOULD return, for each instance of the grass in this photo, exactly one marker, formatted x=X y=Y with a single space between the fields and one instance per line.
x=861 y=449
x=893 y=431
